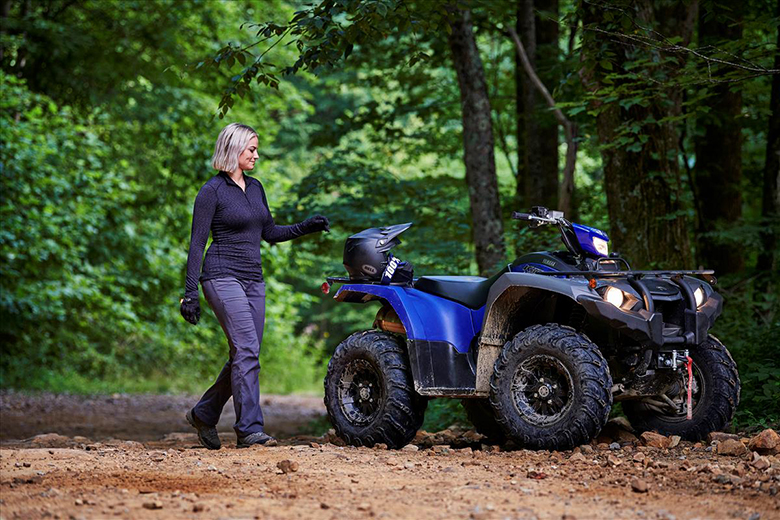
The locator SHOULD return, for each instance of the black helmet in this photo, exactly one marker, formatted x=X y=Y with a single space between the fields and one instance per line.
x=365 y=253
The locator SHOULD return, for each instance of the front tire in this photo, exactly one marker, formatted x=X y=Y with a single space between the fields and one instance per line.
x=551 y=388
x=715 y=396
x=369 y=391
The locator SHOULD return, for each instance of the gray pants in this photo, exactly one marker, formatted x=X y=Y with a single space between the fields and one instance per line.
x=240 y=308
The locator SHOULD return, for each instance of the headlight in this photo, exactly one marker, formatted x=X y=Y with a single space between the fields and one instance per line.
x=698 y=295
x=601 y=245
x=614 y=296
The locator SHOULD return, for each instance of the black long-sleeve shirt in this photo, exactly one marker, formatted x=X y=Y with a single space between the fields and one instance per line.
x=238 y=221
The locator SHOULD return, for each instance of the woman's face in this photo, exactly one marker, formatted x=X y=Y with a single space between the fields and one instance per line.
x=246 y=161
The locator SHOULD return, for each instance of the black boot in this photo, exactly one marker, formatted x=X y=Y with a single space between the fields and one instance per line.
x=207 y=435
x=255 y=438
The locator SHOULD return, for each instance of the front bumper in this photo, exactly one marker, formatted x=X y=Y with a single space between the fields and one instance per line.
x=649 y=328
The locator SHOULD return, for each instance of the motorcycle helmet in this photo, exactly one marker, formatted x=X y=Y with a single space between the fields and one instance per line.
x=366 y=253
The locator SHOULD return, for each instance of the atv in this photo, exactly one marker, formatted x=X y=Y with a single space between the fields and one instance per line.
x=538 y=352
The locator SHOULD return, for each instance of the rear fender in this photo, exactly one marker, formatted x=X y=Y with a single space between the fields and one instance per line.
x=439 y=335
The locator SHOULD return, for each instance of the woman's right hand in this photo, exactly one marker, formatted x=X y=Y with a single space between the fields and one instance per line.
x=190 y=309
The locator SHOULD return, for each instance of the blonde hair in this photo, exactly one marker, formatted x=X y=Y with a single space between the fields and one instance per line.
x=232 y=140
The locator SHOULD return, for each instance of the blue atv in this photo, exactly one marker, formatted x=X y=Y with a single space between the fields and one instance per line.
x=538 y=352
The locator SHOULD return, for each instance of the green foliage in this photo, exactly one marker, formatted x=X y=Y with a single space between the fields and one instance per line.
x=443 y=413
x=754 y=349
x=102 y=154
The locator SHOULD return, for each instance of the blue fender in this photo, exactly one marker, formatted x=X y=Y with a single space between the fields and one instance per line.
x=425 y=317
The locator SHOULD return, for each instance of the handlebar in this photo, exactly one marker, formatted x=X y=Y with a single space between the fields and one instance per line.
x=549 y=217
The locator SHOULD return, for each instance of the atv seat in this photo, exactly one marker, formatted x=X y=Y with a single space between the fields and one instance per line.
x=471 y=291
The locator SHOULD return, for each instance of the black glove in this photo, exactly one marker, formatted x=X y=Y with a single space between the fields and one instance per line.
x=190 y=309
x=315 y=223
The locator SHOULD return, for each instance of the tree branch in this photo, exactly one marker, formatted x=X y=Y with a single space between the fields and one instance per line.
x=569 y=129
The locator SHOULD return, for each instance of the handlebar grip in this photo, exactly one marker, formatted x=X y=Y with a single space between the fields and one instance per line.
x=520 y=216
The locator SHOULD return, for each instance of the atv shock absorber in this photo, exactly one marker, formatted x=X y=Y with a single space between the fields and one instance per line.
x=577 y=317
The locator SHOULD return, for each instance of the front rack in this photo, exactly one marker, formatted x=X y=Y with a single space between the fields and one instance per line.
x=707 y=274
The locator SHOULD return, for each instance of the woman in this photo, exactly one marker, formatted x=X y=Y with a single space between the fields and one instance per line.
x=234 y=208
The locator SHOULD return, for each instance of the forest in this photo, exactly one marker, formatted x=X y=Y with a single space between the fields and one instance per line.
x=657 y=121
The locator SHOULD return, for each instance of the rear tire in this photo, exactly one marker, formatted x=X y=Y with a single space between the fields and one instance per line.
x=369 y=391
x=480 y=414
x=551 y=388
x=715 y=399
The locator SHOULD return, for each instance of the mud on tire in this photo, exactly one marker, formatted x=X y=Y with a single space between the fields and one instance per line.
x=369 y=391
x=551 y=388
x=718 y=390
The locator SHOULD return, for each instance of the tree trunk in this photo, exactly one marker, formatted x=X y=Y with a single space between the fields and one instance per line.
x=546 y=186
x=770 y=210
x=487 y=226
x=537 y=130
x=642 y=184
x=718 y=146
x=527 y=152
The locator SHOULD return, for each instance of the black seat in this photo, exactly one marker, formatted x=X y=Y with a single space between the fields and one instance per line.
x=471 y=291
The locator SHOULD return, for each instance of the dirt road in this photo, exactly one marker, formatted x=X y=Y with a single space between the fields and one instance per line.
x=64 y=476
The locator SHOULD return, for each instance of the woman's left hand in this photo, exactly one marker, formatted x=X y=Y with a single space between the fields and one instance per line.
x=316 y=223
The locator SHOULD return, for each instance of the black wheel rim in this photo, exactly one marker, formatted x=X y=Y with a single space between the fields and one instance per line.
x=360 y=392
x=680 y=399
x=543 y=389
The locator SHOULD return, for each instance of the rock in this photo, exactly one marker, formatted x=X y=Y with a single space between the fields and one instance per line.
x=158 y=456
x=619 y=430
x=131 y=445
x=767 y=442
x=423 y=439
x=732 y=448
x=197 y=508
x=211 y=467
x=79 y=502
x=760 y=463
x=441 y=450
x=674 y=440
x=410 y=447
x=614 y=461
x=332 y=438
x=51 y=440
x=314 y=445
x=287 y=466
x=445 y=437
x=639 y=485
x=537 y=475
x=156 y=504
x=577 y=457
x=586 y=448
x=380 y=446
x=614 y=446
x=638 y=457
x=323 y=505
x=721 y=436
x=655 y=440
